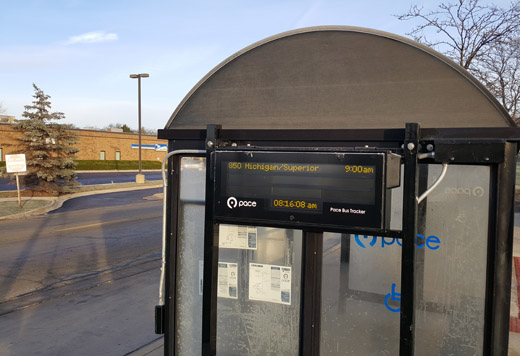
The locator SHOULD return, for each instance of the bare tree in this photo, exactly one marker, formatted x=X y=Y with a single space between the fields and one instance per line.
x=147 y=131
x=499 y=71
x=481 y=38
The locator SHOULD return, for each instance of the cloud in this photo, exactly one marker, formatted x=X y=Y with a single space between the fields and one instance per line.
x=92 y=37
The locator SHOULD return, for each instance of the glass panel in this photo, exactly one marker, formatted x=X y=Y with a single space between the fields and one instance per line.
x=118 y=156
x=360 y=295
x=190 y=234
x=451 y=262
x=102 y=155
x=361 y=287
x=451 y=271
x=259 y=291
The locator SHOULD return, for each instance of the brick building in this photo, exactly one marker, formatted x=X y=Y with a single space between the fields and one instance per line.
x=98 y=145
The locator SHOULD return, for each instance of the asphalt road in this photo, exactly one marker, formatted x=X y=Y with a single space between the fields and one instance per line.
x=82 y=280
x=95 y=178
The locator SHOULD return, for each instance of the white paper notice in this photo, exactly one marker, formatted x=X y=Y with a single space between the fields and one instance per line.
x=270 y=283
x=227 y=280
x=238 y=237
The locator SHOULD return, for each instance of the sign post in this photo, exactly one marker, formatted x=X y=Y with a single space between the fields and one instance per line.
x=16 y=164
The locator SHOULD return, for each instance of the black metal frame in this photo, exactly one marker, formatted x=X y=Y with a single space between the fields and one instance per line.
x=410 y=192
x=209 y=289
x=495 y=147
x=172 y=199
x=498 y=313
x=310 y=300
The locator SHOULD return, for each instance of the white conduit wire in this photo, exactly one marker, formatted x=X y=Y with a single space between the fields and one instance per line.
x=435 y=184
x=165 y=186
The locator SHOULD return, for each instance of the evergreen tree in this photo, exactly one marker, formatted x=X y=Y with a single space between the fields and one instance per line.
x=126 y=128
x=48 y=146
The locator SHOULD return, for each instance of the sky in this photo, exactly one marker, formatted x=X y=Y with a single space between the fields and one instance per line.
x=81 y=52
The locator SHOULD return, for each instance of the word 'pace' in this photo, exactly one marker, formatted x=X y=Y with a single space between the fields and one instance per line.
x=431 y=242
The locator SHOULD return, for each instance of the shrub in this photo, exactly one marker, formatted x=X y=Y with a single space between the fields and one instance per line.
x=91 y=165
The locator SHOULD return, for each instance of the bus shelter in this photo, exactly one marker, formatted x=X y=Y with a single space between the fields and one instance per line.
x=338 y=191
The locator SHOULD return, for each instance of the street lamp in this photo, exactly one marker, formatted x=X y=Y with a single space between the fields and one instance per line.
x=140 y=177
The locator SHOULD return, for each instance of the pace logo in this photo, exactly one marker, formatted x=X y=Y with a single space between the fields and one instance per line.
x=477 y=192
x=233 y=203
x=431 y=242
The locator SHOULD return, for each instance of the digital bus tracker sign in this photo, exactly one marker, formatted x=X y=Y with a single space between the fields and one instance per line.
x=343 y=189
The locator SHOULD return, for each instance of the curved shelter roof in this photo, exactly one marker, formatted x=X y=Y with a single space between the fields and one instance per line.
x=338 y=78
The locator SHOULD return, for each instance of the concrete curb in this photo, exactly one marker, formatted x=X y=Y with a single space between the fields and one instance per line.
x=56 y=203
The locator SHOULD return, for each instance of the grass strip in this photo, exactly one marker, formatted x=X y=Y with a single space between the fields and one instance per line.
x=11 y=207
x=98 y=165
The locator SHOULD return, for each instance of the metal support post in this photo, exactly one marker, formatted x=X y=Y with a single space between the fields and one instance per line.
x=410 y=191
x=209 y=288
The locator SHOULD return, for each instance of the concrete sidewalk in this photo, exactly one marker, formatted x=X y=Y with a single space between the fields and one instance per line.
x=56 y=202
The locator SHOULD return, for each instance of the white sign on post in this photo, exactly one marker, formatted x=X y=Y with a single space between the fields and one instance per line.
x=15 y=163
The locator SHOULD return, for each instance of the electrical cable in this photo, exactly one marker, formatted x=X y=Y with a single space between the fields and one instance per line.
x=435 y=184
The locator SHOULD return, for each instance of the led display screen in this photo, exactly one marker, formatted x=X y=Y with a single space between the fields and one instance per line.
x=319 y=188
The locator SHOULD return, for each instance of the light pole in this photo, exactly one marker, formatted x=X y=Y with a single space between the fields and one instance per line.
x=140 y=177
